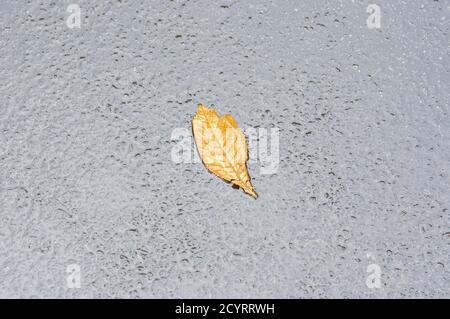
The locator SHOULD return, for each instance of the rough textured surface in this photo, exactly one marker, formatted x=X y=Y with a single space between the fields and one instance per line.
x=86 y=176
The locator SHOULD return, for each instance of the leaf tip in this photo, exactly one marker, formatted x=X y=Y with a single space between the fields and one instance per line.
x=251 y=192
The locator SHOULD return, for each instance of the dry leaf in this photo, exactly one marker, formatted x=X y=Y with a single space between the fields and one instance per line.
x=222 y=147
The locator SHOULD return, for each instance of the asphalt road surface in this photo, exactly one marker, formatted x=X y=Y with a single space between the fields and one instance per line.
x=94 y=201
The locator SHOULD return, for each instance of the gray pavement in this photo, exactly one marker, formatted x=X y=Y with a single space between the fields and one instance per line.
x=92 y=203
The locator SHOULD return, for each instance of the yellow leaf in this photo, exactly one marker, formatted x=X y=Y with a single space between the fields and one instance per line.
x=222 y=147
